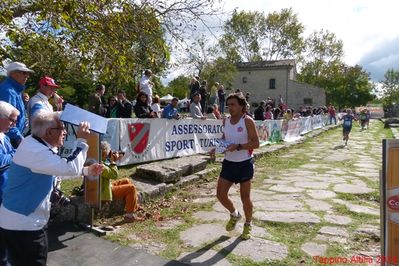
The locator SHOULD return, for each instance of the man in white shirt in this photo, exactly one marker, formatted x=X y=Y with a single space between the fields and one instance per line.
x=39 y=102
x=25 y=209
x=146 y=85
x=195 y=107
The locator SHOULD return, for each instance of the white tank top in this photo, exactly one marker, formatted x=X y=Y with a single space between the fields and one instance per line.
x=237 y=134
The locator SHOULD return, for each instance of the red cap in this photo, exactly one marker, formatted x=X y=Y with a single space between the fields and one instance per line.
x=48 y=81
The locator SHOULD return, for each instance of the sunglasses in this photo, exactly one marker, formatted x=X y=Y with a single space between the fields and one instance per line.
x=59 y=128
x=23 y=73
x=12 y=120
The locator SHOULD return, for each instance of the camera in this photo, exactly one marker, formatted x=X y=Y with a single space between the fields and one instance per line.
x=57 y=198
x=121 y=153
x=118 y=154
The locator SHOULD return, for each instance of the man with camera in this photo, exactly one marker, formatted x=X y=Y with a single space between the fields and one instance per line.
x=26 y=197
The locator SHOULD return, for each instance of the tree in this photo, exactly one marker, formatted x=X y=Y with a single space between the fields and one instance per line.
x=390 y=87
x=179 y=86
x=283 y=35
x=323 y=54
x=110 y=42
x=221 y=70
x=321 y=64
x=197 y=54
x=252 y=36
x=241 y=39
x=345 y=86
x=354 y=88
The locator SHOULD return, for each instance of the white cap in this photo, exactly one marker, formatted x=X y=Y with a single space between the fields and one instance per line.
x=17 y=66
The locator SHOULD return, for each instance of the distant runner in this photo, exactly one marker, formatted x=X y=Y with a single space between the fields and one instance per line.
x=347 y=125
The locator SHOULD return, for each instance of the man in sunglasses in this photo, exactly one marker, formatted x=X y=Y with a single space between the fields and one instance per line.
x=11 y=90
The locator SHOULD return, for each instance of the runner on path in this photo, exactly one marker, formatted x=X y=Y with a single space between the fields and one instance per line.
x=238 y=164
x=347 y=125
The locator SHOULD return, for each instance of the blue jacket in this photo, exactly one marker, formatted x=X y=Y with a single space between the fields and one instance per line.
x=169 y=112
x=6 y=154
x=11 y=92
x=26 y=194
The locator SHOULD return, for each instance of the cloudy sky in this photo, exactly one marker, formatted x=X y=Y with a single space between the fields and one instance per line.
x=369 y=29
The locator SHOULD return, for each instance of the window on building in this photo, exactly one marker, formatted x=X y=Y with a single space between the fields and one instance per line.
x=308 y=101
x=272 y=83
x=244 y=79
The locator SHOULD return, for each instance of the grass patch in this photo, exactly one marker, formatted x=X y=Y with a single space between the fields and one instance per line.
x=360 y=198
x=178 y=204
x=68 y=184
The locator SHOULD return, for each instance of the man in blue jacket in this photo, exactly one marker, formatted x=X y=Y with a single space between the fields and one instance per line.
x=170 y=111
x=11 y=90
x=8 y=117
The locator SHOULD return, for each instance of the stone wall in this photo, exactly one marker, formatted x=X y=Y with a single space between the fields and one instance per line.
x=298 y=91
x=257 y=84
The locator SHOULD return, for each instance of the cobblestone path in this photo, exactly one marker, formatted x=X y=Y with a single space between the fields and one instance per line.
x=318 y=198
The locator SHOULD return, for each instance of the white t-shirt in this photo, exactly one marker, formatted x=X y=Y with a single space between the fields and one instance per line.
x=146 y=85
x=237 y=134
x=157 y=109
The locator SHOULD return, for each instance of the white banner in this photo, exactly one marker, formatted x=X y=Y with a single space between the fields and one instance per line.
x=269 y=131
x=145 y=140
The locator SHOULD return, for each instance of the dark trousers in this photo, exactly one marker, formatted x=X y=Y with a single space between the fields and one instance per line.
x=221 y=106
x=26 y=247
x=3 y=251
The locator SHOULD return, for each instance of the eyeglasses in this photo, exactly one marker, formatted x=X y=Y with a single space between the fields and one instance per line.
x=23 y=73
x=59 y=128
x=12 y=120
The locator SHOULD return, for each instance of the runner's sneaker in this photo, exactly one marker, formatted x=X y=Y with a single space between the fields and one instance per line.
x=231 y=224
x=246 y=232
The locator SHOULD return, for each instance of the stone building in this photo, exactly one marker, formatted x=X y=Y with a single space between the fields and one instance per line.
x=274 y=78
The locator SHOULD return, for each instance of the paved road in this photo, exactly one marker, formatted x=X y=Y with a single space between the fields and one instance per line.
x=320 y=201
x=69 y=245
x=316 y=199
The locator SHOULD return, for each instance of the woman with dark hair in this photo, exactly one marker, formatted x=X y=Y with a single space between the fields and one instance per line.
x=276 y=113
x=268 y=113
x=142 y=109
x=238 y=165
x=112 y=109
x=209 y=113
x=204 y=95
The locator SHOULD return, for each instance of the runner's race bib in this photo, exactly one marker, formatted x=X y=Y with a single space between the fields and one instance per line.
x=347 y=123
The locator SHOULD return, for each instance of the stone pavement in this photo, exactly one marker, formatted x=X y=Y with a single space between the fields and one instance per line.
x=334 y=191
x=69 y=245
x=318 y=198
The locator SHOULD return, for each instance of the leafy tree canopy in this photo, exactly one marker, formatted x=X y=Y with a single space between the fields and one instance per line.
x=390 y=87
x=82 y=42
x=252 y=36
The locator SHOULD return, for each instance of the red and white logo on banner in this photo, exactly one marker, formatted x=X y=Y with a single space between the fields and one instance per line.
x=393 y=202
x=138 y=135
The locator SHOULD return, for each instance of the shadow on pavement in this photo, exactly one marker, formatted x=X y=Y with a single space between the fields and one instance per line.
x=70 y=245
x=60 y=233
x=339 y=147
x=214 y=259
